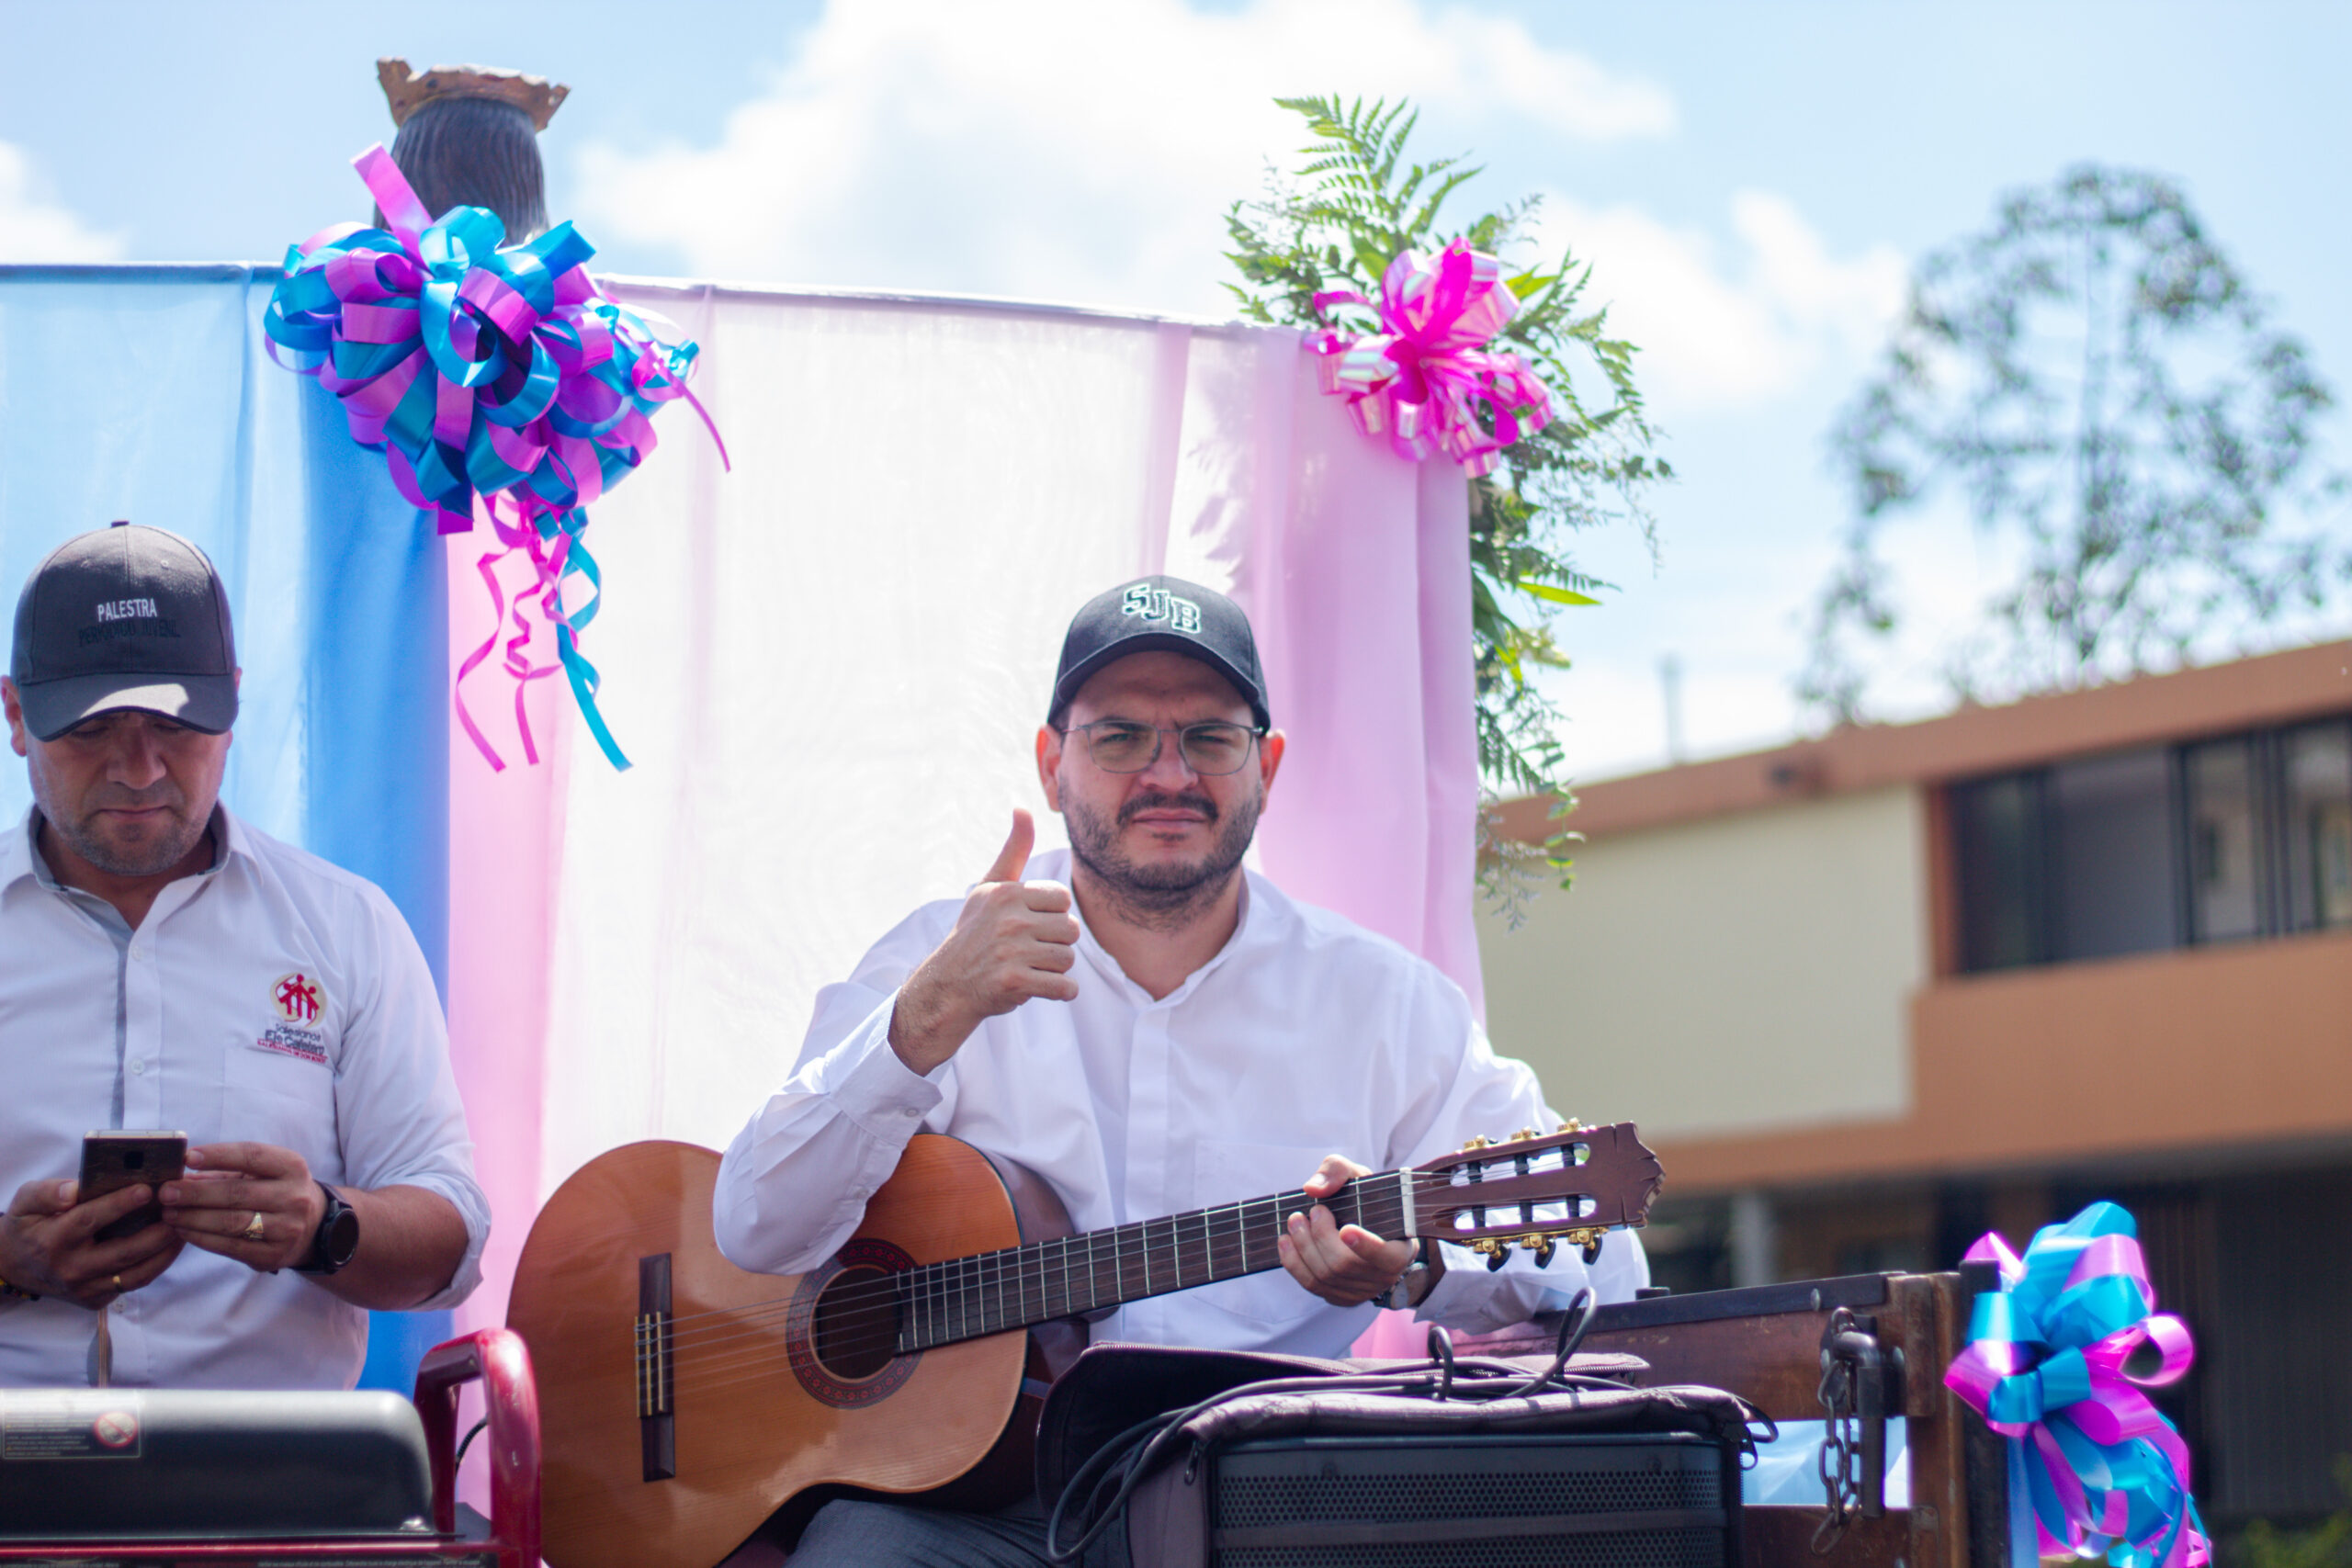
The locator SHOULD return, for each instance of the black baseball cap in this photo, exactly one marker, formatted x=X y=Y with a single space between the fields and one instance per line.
x=1161 y=613
x=124 y=617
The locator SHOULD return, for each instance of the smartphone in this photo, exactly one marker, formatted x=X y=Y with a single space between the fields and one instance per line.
x=112 y=1161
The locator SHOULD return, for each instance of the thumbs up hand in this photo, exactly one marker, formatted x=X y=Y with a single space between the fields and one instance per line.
x=1013 y=941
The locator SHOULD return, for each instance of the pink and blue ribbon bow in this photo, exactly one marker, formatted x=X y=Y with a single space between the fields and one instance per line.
x=496 y=379
x=2104 y=1471
x=1421 y=376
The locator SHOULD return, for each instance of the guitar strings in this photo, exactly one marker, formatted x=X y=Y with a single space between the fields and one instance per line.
x=751 y=1355
x=953 y=1298
x=944 y=1287
x=956 y=1287
x=766 y=1357
x=961 y=1306
x=1126 y=1246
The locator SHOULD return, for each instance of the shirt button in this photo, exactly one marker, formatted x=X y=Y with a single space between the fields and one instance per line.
x=138 y=1066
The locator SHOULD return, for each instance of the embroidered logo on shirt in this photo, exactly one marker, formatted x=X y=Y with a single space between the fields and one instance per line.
x=1159 y=604
x=298 y=1001
x=296 y=997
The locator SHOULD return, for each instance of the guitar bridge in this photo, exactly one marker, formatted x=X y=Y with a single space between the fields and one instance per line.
x=657 y=1423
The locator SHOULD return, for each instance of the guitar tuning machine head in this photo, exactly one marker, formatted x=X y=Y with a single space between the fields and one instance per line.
x=1541 y=1245
x=1587 y=1241
x=1496 y=1252
x=1523 y=1135
x=1571 y=1125
x=1477 y=1143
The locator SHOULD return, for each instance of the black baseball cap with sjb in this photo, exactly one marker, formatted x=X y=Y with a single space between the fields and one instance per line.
x=124 y=617
x=1163 y=613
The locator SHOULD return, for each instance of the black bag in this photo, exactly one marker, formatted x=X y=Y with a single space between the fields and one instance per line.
x=1235 y=1460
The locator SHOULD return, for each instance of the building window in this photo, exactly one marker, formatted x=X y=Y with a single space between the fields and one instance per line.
x=2161 y=847
x=2318 y=824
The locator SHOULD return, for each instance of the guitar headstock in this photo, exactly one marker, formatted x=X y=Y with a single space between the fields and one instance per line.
x=1532 y=1192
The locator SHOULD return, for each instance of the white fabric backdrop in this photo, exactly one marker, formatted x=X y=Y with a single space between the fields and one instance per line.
x=829 y=665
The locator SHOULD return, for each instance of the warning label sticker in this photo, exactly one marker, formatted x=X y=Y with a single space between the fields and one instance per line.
x=48 y=1424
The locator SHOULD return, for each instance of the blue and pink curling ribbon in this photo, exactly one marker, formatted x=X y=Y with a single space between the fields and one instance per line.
x=500 y=384
x=2101 y=1469
x=1422 y=372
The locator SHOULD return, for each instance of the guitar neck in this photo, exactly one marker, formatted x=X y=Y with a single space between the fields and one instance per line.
x=989 y=1293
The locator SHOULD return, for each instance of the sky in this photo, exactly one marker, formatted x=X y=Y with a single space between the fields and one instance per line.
x=1751 y=185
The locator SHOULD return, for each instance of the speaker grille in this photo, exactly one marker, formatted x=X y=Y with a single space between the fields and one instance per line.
x=1361 y=1483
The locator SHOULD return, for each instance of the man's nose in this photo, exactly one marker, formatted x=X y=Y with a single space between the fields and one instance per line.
x=138 y=758
x=1168 y=765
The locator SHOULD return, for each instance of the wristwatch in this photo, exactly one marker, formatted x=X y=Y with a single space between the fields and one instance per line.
x=338 y=1238
x=1412 y=1287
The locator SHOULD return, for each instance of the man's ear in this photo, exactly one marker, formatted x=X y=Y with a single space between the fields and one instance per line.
x=1049 y=765
x=1270 y=760
x=15 y=708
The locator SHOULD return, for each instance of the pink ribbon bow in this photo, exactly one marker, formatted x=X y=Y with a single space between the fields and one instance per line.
x=1422 y=376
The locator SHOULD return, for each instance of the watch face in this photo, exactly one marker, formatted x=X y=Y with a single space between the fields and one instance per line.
x=341 y=1238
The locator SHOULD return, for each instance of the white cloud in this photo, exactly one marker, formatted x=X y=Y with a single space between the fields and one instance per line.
x=34 y=229
x=1064 y=148
x=1722 y=332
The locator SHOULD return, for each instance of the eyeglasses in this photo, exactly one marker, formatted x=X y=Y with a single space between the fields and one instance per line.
x=1211 y=748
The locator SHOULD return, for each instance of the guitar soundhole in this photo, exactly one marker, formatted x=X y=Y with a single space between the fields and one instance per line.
x=855 y=1325
x=840 y=1332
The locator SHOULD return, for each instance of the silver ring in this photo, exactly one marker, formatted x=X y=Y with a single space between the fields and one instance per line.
x=252 y=1228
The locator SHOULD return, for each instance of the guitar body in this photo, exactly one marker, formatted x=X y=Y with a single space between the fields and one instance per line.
x=764 y=1402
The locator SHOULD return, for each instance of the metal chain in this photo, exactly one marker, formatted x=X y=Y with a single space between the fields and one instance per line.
x=1841 y=1458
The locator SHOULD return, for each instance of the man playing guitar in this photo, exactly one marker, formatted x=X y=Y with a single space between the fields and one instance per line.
x=1148 y=1028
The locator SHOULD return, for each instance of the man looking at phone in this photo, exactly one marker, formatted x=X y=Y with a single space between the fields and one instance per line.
x=168 y=966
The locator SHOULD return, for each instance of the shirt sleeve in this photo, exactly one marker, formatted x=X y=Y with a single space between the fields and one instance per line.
x=1494 y=1096
x=793 y=1185
x=399 y=1120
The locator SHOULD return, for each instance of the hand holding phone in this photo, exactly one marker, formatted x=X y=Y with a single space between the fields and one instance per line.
x=50 y=1241
x=112 y=1161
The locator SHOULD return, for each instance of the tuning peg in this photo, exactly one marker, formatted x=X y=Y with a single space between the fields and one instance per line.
x=1477 y=1143
x=1571 y=1125
x=1542 y=1246
x=1523 y=1135
x=1496 y=1252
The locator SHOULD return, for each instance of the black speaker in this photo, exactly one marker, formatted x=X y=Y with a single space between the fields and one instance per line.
x=1641 y=1500
x=122 y=1463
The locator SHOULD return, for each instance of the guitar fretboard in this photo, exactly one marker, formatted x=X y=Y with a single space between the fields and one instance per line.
x=964 y=1298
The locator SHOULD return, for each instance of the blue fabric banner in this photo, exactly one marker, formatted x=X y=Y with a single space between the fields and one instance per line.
x=145 y=392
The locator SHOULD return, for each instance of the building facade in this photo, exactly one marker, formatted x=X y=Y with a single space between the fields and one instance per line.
x=1872 y=996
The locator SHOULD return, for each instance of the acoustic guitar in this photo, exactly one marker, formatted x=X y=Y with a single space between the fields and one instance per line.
x=684 y=1399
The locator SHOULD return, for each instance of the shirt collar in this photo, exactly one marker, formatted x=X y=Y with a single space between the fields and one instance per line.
x=19 y=859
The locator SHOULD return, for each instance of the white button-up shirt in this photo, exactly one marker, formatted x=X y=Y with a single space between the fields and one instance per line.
x=1305 y=1035
x=272 y=999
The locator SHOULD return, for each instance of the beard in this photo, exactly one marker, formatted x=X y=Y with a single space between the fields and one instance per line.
x=1165 y=895
x=149 y=853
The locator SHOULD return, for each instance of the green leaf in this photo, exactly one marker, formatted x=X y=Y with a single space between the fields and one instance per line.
x=1555 y=596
